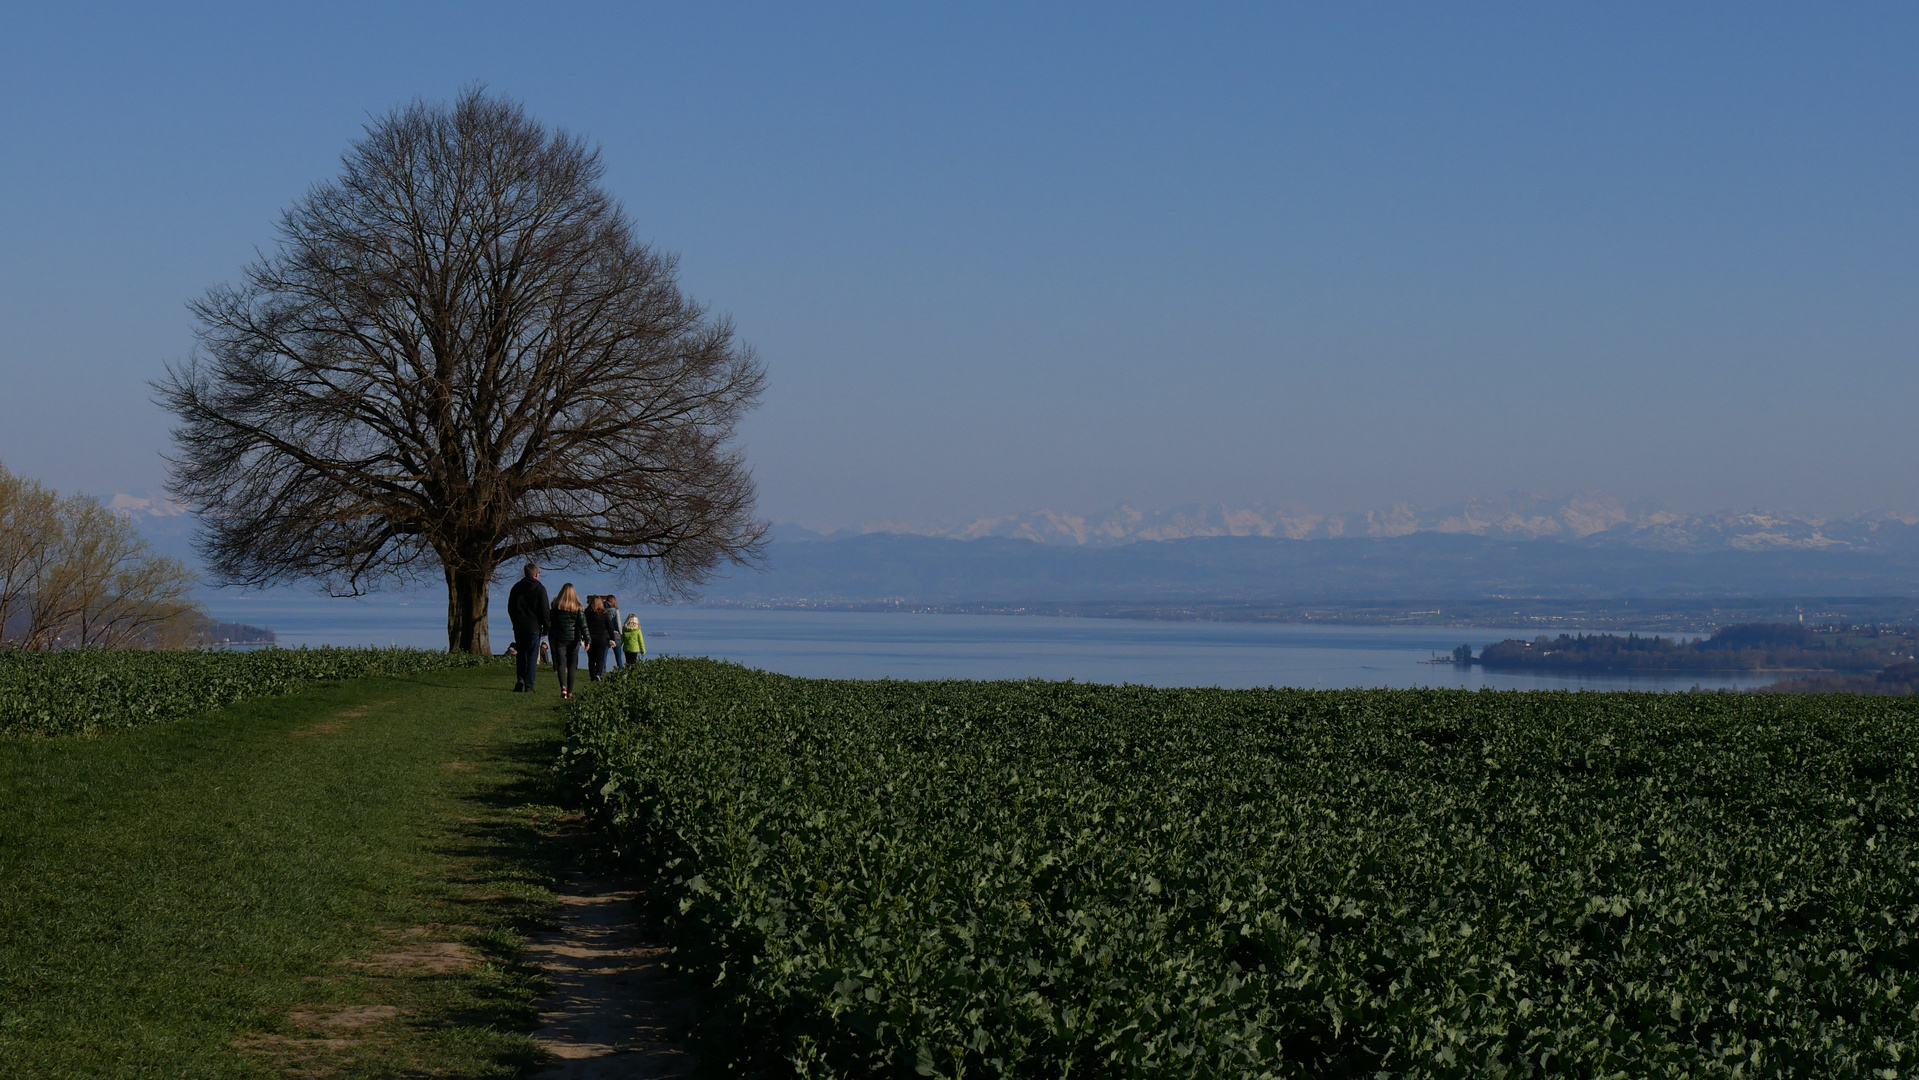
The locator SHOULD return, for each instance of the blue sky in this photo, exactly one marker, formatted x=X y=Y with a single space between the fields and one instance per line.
x=999 y=258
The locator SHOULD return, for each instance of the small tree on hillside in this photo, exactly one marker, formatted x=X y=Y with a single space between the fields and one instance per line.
x=74 y=574
x=458 y=355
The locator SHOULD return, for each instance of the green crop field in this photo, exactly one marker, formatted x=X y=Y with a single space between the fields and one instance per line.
x=1054 y=879
x=90 y=691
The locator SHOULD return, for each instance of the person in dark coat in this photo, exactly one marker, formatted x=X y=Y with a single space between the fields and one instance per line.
x=566 y=632
x=600 y=632
x=526 y=607
x=613 y=620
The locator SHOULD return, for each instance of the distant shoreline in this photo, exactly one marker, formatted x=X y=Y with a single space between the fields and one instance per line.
x=1658 y=616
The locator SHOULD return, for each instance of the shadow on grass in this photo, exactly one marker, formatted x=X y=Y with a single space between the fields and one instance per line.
x=511 y=848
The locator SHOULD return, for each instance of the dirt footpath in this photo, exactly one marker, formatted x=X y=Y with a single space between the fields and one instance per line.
x=615 y=1010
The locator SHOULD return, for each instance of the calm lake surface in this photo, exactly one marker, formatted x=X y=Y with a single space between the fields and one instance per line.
x=834 y=644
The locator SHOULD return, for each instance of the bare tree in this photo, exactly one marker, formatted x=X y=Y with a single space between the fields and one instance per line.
x=29 y=528
x=107 y=589
x=459 y=354
x=74 y=574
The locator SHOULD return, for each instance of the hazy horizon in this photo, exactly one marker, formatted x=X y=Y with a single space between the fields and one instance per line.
x=879 y=524
x=154 y=504
x=1000 y=260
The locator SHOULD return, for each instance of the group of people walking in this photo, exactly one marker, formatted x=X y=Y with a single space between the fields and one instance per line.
x=567 y=624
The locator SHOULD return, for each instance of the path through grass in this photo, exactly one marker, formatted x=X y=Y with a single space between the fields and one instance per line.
x=318 y=885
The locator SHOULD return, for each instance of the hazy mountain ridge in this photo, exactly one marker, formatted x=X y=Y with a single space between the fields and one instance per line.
x=1515 y=545
x=927 y=569
x=1588 y=518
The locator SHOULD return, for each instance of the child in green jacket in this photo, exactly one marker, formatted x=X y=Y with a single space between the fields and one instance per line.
x=632 y=642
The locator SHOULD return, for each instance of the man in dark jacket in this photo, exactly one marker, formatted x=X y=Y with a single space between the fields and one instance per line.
x=526 y=606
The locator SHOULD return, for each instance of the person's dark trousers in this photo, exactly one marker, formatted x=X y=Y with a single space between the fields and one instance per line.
x=631 y=658
x=595 y=662
x=527 y=662
x=617 y=654
x=566 y=661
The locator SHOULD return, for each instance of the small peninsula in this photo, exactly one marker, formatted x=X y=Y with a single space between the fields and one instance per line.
x=1845 y=655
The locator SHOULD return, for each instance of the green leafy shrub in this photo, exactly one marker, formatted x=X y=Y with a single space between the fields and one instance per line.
x=1054 y=879
x=89 y=691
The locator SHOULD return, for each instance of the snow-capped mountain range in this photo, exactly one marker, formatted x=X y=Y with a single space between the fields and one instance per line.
x=1586 y=518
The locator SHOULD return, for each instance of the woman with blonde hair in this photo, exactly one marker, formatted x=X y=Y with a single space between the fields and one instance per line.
x=566 y=630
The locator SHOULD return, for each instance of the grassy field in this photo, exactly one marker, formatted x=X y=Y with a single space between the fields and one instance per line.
x=319 y=884
x=1058 y=879
x=965 y=879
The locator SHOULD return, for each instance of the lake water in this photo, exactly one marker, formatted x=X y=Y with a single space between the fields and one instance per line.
x=835 y=644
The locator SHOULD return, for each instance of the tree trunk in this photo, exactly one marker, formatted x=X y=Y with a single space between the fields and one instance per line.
x=466 y=599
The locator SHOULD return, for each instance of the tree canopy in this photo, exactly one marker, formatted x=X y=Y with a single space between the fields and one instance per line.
x=458 y=355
